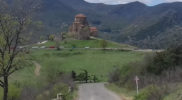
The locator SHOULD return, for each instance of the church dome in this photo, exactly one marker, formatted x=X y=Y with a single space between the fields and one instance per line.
x=80 y=16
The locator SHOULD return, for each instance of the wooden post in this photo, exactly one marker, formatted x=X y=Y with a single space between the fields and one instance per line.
x=137 y=79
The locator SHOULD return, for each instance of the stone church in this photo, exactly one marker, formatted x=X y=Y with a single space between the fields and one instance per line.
x=80 y=28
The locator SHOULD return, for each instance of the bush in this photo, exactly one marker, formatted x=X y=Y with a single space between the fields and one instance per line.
x=60 y=88
x=151 y=92
x=81 y=77
x=103 y=44
x=52 y=93
x=155 y=68
x=52 y=73
x=14 y=92
x=176 y=53
x=162 y=68
x=29 y=93
x=125 y=76
x=114 y=76
x=40 y=97
x=161 y=62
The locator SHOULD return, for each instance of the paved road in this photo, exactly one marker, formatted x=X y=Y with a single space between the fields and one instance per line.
x=96 y=91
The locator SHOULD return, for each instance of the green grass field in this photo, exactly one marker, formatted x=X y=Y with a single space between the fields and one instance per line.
x=97 y=62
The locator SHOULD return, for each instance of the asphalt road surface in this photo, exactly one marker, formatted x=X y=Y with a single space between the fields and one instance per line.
x=96 y=91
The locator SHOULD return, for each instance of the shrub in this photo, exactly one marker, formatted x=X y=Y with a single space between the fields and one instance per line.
x=151 y=92
x=14 y=92
x=81 y=77
x=114 y=75
x=60 y=88
x=125 y=76
x=51 y=37
x=176 y=53
x=161 y=62
x=103 y=44
x=95 y=78
x=40 y=97
x=151 y=69
x=73 y=75
x=52 y=73
x=162 y=68
x=29 y=93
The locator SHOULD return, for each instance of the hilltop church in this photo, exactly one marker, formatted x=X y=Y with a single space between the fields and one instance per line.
x=80 y=28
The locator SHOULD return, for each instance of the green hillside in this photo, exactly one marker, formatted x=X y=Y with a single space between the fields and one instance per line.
x=53 y=62
x=96 y=62
x=92 y=43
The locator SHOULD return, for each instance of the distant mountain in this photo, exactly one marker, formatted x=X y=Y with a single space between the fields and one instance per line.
x=157 y=27
x=134 y=23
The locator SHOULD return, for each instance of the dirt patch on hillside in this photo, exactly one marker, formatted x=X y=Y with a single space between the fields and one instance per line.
x=37 y=68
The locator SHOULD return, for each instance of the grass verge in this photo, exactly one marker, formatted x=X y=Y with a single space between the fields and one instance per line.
x=124 y=93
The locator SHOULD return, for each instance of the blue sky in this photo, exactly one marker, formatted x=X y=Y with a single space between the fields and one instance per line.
x=148 y=2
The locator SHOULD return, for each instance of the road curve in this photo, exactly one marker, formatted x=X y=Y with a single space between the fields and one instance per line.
x=96 y=91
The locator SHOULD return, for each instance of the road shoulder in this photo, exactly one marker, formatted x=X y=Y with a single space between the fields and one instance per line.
x=123 y=93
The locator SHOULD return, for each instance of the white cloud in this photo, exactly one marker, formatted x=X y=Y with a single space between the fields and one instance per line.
x=148 y=2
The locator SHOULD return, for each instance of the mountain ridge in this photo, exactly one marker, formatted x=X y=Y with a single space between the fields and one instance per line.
x=133 y=23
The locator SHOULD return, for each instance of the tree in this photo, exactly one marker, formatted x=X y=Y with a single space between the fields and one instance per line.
x=42 y=38
x=73 y=74
x=57 y=39
x=13 y=21
x=103 y=44
x=95 y=79
x=86 y=75
x=51 y=37
x=58 y=45
x=10 y=54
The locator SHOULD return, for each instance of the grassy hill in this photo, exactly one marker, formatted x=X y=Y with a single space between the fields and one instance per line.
x=96 y=62
x=92 y=43
x=54 y=62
